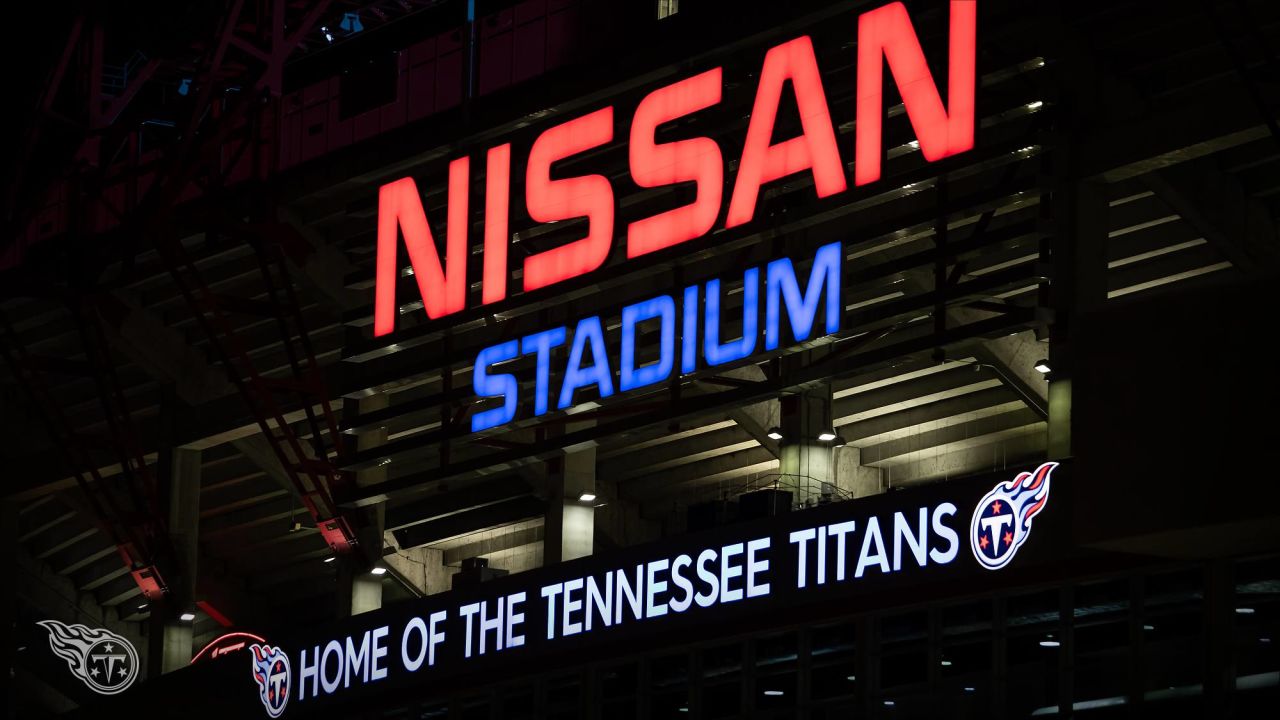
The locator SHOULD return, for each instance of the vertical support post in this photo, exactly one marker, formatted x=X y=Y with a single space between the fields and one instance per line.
x=804 y=459
x=935 y=662
x=749 y=678
x=804 y=674
x=1136 y=688
x=570 y=523
x=171 y=636
x=8 y=607
x=1219 y=634
x=999 y=658
x=1067 y=652
x=868 y=667
x=359 y=590
x=1079 y=262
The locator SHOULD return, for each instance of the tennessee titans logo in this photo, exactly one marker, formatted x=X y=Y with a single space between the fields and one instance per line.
x=1002 y=520
x=105 y=662
x=271 y=672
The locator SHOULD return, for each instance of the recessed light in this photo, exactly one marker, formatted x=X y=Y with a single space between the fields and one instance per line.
x=775 y=433
x=1049 y=643
x=773 y=693
x=1042 y=367
x=968 y=689
x=851 y=678
x=827 y=436
x=946 y=663
x=1244 y=611
x=889 y=703
x=379 y=570
x=587 y=497
x=330 y=559
x=187 y=617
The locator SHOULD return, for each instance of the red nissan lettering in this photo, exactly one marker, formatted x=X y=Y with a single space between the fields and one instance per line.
x=942 y=132
x=589 y=196
x=814 y=150
x=443 y=286
x=697 y=160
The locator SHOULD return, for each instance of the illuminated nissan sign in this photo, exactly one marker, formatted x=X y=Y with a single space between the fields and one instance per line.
x=886 y=38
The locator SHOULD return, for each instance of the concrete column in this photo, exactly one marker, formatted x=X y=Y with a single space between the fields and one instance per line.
x=170 y=640
x=359 y=590
x=8 y=607
x=1079 y=262
x=805 y=462
x=570 y=525
x=851 y=478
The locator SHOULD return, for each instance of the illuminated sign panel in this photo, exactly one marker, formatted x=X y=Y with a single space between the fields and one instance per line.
x=811 y=565
x=886 y=38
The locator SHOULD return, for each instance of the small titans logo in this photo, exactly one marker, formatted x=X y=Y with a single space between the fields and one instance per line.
x=1002 y=520
x=271 y=672
x=105 y=662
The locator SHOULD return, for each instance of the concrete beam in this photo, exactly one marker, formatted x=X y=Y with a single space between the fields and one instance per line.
x=882 y=427
x=1013 y=358
x=720 y=469
x=1217 y=206
x=958 y=432
x=490 y=491
x=993 y=455
x=421 y=568
x=853 y=479
x=671 y=455
x=468 y=521
x=758 y=418
x=955 y=382
x=495 y=542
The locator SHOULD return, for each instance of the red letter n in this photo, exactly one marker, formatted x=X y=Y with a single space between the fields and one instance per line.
x=942 y=131
x=444 y=291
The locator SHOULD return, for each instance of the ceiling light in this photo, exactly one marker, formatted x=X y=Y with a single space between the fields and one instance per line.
x=378 y=571
x=773 y=693
x=851 y=678
x=1049 y=643
x=968 y=689
x=330 y=559
x=1035 y=105
x=889 y=703
x=775 y=433
x=587 y=496
x=1148 y=627
x=827 y=435
x=143 y=606
x=1042 y=367
x=946 y=663
x=1244 y=611
x=187 y=616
